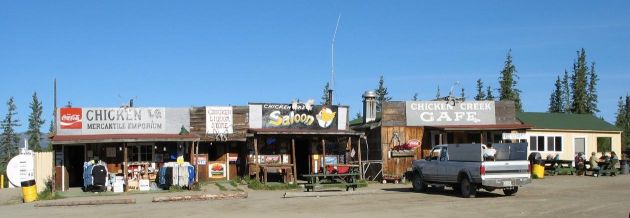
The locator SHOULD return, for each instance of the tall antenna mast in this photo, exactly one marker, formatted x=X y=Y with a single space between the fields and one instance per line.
x=332 y=79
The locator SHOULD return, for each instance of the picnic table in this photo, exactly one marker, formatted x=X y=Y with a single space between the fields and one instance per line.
x=555 y=167
x=606 y=168
x=344 y=174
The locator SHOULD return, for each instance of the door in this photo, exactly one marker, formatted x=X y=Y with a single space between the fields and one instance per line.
x=73 y=161
x=579 y=145
x=430 y=168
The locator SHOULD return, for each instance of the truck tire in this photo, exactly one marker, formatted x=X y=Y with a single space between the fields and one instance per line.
x=418 y=183
x=510 y=192
x=467 y=189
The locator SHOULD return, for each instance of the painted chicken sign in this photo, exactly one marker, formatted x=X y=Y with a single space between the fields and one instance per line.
x=299 y=116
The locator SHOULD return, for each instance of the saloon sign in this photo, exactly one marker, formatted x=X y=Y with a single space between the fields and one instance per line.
x=285 y=116
x=441 y=113
x=113 y=120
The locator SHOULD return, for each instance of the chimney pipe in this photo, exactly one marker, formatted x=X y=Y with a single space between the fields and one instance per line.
x=369 y=106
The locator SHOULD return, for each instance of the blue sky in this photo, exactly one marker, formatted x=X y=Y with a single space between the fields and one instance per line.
x=196 y=53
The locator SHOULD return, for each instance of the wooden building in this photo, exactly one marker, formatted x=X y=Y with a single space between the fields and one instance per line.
x=133 y=142
x=287 y=141
x=406 y=131
x=222 y=131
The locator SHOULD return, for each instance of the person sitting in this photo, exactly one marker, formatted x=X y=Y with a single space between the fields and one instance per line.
x=579 y=164
x=594 y=167
x=614 y=160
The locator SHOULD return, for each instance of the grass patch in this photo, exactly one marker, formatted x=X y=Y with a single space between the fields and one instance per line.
x=221 y=187
x=48 y=195
x=233 y=183
x=257 y=185
x=175 y=188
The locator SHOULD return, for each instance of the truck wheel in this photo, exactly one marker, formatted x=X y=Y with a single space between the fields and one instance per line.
x=510 y=192
x=468 y=190
x=418 y=183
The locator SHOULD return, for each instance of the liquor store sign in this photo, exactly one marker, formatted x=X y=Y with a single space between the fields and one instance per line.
x=93 y=121
x=443 y=113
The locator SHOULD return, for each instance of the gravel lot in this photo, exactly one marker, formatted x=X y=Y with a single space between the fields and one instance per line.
x=559 y=196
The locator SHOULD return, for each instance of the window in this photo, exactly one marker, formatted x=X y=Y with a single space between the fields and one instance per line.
x=604 y=144
x=140 y=153
x=542 y=143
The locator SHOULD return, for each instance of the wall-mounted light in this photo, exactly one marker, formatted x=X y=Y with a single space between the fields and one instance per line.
x=164 y=148
x=120 y=148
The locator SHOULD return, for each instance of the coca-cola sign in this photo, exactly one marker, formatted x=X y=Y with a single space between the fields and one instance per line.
x=70 y=118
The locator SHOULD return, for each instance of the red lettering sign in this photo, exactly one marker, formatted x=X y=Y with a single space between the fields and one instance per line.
x=70 y=118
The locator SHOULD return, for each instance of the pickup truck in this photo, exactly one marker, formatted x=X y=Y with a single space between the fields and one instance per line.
x=468 y=167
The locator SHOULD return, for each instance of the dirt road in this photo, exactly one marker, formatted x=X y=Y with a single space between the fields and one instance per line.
x=559 y=196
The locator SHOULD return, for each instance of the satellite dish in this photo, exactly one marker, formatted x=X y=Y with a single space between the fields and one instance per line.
x=20 y=168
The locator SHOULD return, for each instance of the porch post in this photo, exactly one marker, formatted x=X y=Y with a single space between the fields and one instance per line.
x=125 y=165
x=293 y=160
x=256 y=149
x=196 y=146
x=360 y=159
x=323 y=164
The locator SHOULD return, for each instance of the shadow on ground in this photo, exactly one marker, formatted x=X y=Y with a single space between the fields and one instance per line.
x=445 y=192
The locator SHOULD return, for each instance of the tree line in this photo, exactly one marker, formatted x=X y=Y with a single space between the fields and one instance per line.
x=10 y=139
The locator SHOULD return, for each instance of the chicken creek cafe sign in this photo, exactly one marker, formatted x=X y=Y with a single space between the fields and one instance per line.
x=302 y=116
x=113 y=120
x=442 y=113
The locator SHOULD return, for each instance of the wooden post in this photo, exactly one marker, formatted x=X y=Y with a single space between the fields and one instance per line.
x=197 y=161
x=360 y=159
x=293 y=160
x=256 y=150
x=323 y=164
x=125 y=164
x=348 y=150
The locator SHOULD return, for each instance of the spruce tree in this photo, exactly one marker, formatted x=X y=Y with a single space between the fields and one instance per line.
x=508 y=82
x=489 y=95
x=9 y=139
x=325 y=96
x=382 y=95
x=438 y=94
x=35 y=122
x=481 y=95
x=555 y=100
x=622 y=120
x=579 y=101
x=566 y=93
x=591 y=92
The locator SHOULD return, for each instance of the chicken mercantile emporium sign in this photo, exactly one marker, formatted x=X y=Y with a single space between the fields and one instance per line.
x=443 y=113
x=123 y=120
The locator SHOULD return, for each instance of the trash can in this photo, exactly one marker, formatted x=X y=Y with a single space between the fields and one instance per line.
x=538 y=169
x=29 y=191
x=623 y=164
x=538 y=166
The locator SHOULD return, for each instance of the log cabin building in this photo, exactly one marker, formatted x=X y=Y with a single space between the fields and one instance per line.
x=403 y=131
x=272 y=142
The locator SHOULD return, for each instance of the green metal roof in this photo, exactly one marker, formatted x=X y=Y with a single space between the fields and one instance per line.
x=565 y=121
x=359 y=121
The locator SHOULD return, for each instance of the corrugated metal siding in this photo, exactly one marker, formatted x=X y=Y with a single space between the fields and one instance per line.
x=43 y=169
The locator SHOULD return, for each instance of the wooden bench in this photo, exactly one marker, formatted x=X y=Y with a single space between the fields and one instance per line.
x=349 y=180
